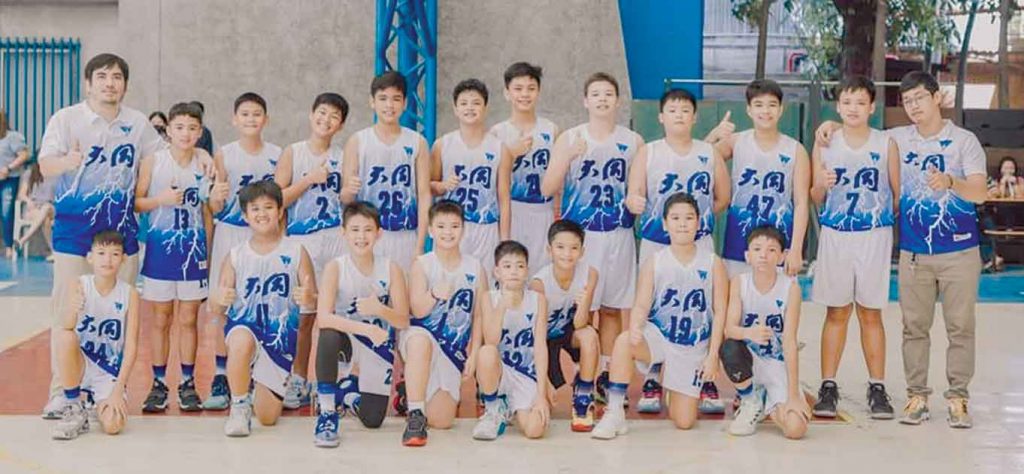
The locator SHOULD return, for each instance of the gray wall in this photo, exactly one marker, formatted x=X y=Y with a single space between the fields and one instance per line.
x=212 y=51
x=94 y=22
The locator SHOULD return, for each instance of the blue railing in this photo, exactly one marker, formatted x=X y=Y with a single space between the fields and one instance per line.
x=39 y=77
x=413 y=25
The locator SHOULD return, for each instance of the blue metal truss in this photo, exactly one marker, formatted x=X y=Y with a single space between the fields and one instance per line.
x=413 y=23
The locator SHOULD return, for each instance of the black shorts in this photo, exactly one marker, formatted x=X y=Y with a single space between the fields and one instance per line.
x=555 y=347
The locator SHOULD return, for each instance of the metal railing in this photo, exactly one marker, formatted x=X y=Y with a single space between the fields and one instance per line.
x=39 y=77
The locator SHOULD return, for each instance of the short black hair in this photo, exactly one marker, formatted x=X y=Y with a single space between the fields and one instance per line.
x=105 y=60
x=767 y=231
x=389 y=79
x=919 y=78
x=677 y=94
x=759 y=87
x=108 y=237
x=251 y=97
x=856 y=82
x=202 y=107
x=510 y=247
x=565 y=225
x=188 y=109
x=260 y=189
x=332 y=99
x=157 y=113
x=470 y=85
x=445 y=206
x=679 y=198
x=523 y=69
x=600 y=77
x=361 y=208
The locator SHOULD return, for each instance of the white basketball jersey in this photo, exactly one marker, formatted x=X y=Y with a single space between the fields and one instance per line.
x=528 y=170
x=450 y=321
x=354 y=284
x=388 y=174
x=681 y=307
x=176 y=239
x=244 y=169
x=595 y=186
x=768 y=309
x=101 y=326
x=562 y=302
x=669 y=173
x=517 y=335
x=320 y=206
x=477 y=169
x=861 y=198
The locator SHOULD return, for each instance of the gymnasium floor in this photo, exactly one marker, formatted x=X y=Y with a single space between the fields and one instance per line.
x=172 y=443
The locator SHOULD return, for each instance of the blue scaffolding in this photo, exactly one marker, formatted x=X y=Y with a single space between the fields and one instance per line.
x=414 y=24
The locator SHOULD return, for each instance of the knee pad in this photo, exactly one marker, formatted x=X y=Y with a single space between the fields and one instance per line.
x=332 y=346
x=373 y=408
x=738 y=362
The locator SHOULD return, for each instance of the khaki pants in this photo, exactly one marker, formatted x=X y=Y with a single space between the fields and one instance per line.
x=922 y=279
x=66 y=269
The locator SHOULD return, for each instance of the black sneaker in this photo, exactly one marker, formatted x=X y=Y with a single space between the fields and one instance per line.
x=188 y=399
x=415 y=429
x=156 y=401
x=828 y=400
x=878 y=402
x=599 y=388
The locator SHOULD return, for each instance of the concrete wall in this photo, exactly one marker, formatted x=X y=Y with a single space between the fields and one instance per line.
x=212 y=51
x=94 y=22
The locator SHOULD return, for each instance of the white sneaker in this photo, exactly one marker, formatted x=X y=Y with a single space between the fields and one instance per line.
x=54 y=407
x=239 y=422
x=749 y=414
x=297 y=393
x=74 y=421
x=490 y=426
x=612 y=424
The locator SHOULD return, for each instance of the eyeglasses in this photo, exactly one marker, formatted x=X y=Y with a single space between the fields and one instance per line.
x=915 y=99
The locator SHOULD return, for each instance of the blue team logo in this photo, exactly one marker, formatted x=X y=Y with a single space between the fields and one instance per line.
x=489 y=156
x=462 y=300
x=278 y=283
x=127 y=129
x=944 y=143
x=841 y=178
x=875 y=156
x=937 y=160
x=702 y=274
x=546 y=137
x=670 y=183
x=587 y=169
x=910 y=158
x=779 y=303
x=408 y=150
x=191 y=196
x=774 y=321
x=784 y=158
x=703 y=159
x=273 y=162
x=622 y=147
x=333 y=163
x=118 y=306
x=286 y=260
x=615 y=169
x=866 y=178
x=774 y=180
x=110 y=329
x=699 y=183
x=122 y=154
x=470 y=278
x=695 y=300
x=197 y=176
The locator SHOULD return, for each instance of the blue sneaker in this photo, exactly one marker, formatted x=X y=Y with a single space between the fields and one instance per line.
x=583 y=413
x=326 y=435
x=347 y=397
x=220 y=396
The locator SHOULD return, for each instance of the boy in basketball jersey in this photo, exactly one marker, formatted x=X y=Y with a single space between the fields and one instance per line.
x=265 y=284
x=770 y=178
x=309 y=173
x=237 y=164
x=856 y=179
x=362 y=302
x=98 y=341
x=388 y=165
x=568 y=287
x=473 y=168
x=680 y=291
x=172 y=190
x=590 y=165
x=440 y=345
x=677 y=163
x=529 y=139
x=760 y=352
x=512 y=364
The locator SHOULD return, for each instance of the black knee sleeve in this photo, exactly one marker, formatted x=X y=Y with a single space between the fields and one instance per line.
x=373 y=408
x=332 y=346
x=738 y=362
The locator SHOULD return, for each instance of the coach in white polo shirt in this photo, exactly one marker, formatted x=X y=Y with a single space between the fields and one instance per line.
x=93 y=148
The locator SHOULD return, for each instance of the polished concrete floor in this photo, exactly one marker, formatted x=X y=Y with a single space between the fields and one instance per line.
x=175 y=444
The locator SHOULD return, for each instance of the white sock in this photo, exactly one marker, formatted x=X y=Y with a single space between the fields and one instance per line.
x=421 y=406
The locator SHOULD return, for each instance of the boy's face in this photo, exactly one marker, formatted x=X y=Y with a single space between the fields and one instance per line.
x=249 y=119
x=682 y=223
x=105 y=259
x=446 y=229
x=470 y=108
x=678 y=117
x=601 y=100
x=184 y=131
x=522 y=93
x=388 y=104
x=921 y=105
x=326 y=120
x=566 y=250
x=511 y=271
x=263 y=215
x=855 y=107
x=764 y=253
x=107 y=85
x=765 y=110
x=361 y=232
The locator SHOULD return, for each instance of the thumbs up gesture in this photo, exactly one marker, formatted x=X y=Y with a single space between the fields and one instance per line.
x=318 y=175
x=172 y=196
x=77 y=300
x=219 y=191
x=74 y=157
x=522 y=145
x=352 y=185
x=304 y=295
x=578 y=148
x=370 y=305
x=723 y=130
x=227 y=295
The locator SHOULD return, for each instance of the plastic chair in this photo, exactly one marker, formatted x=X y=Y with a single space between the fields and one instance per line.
x=21 y=225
